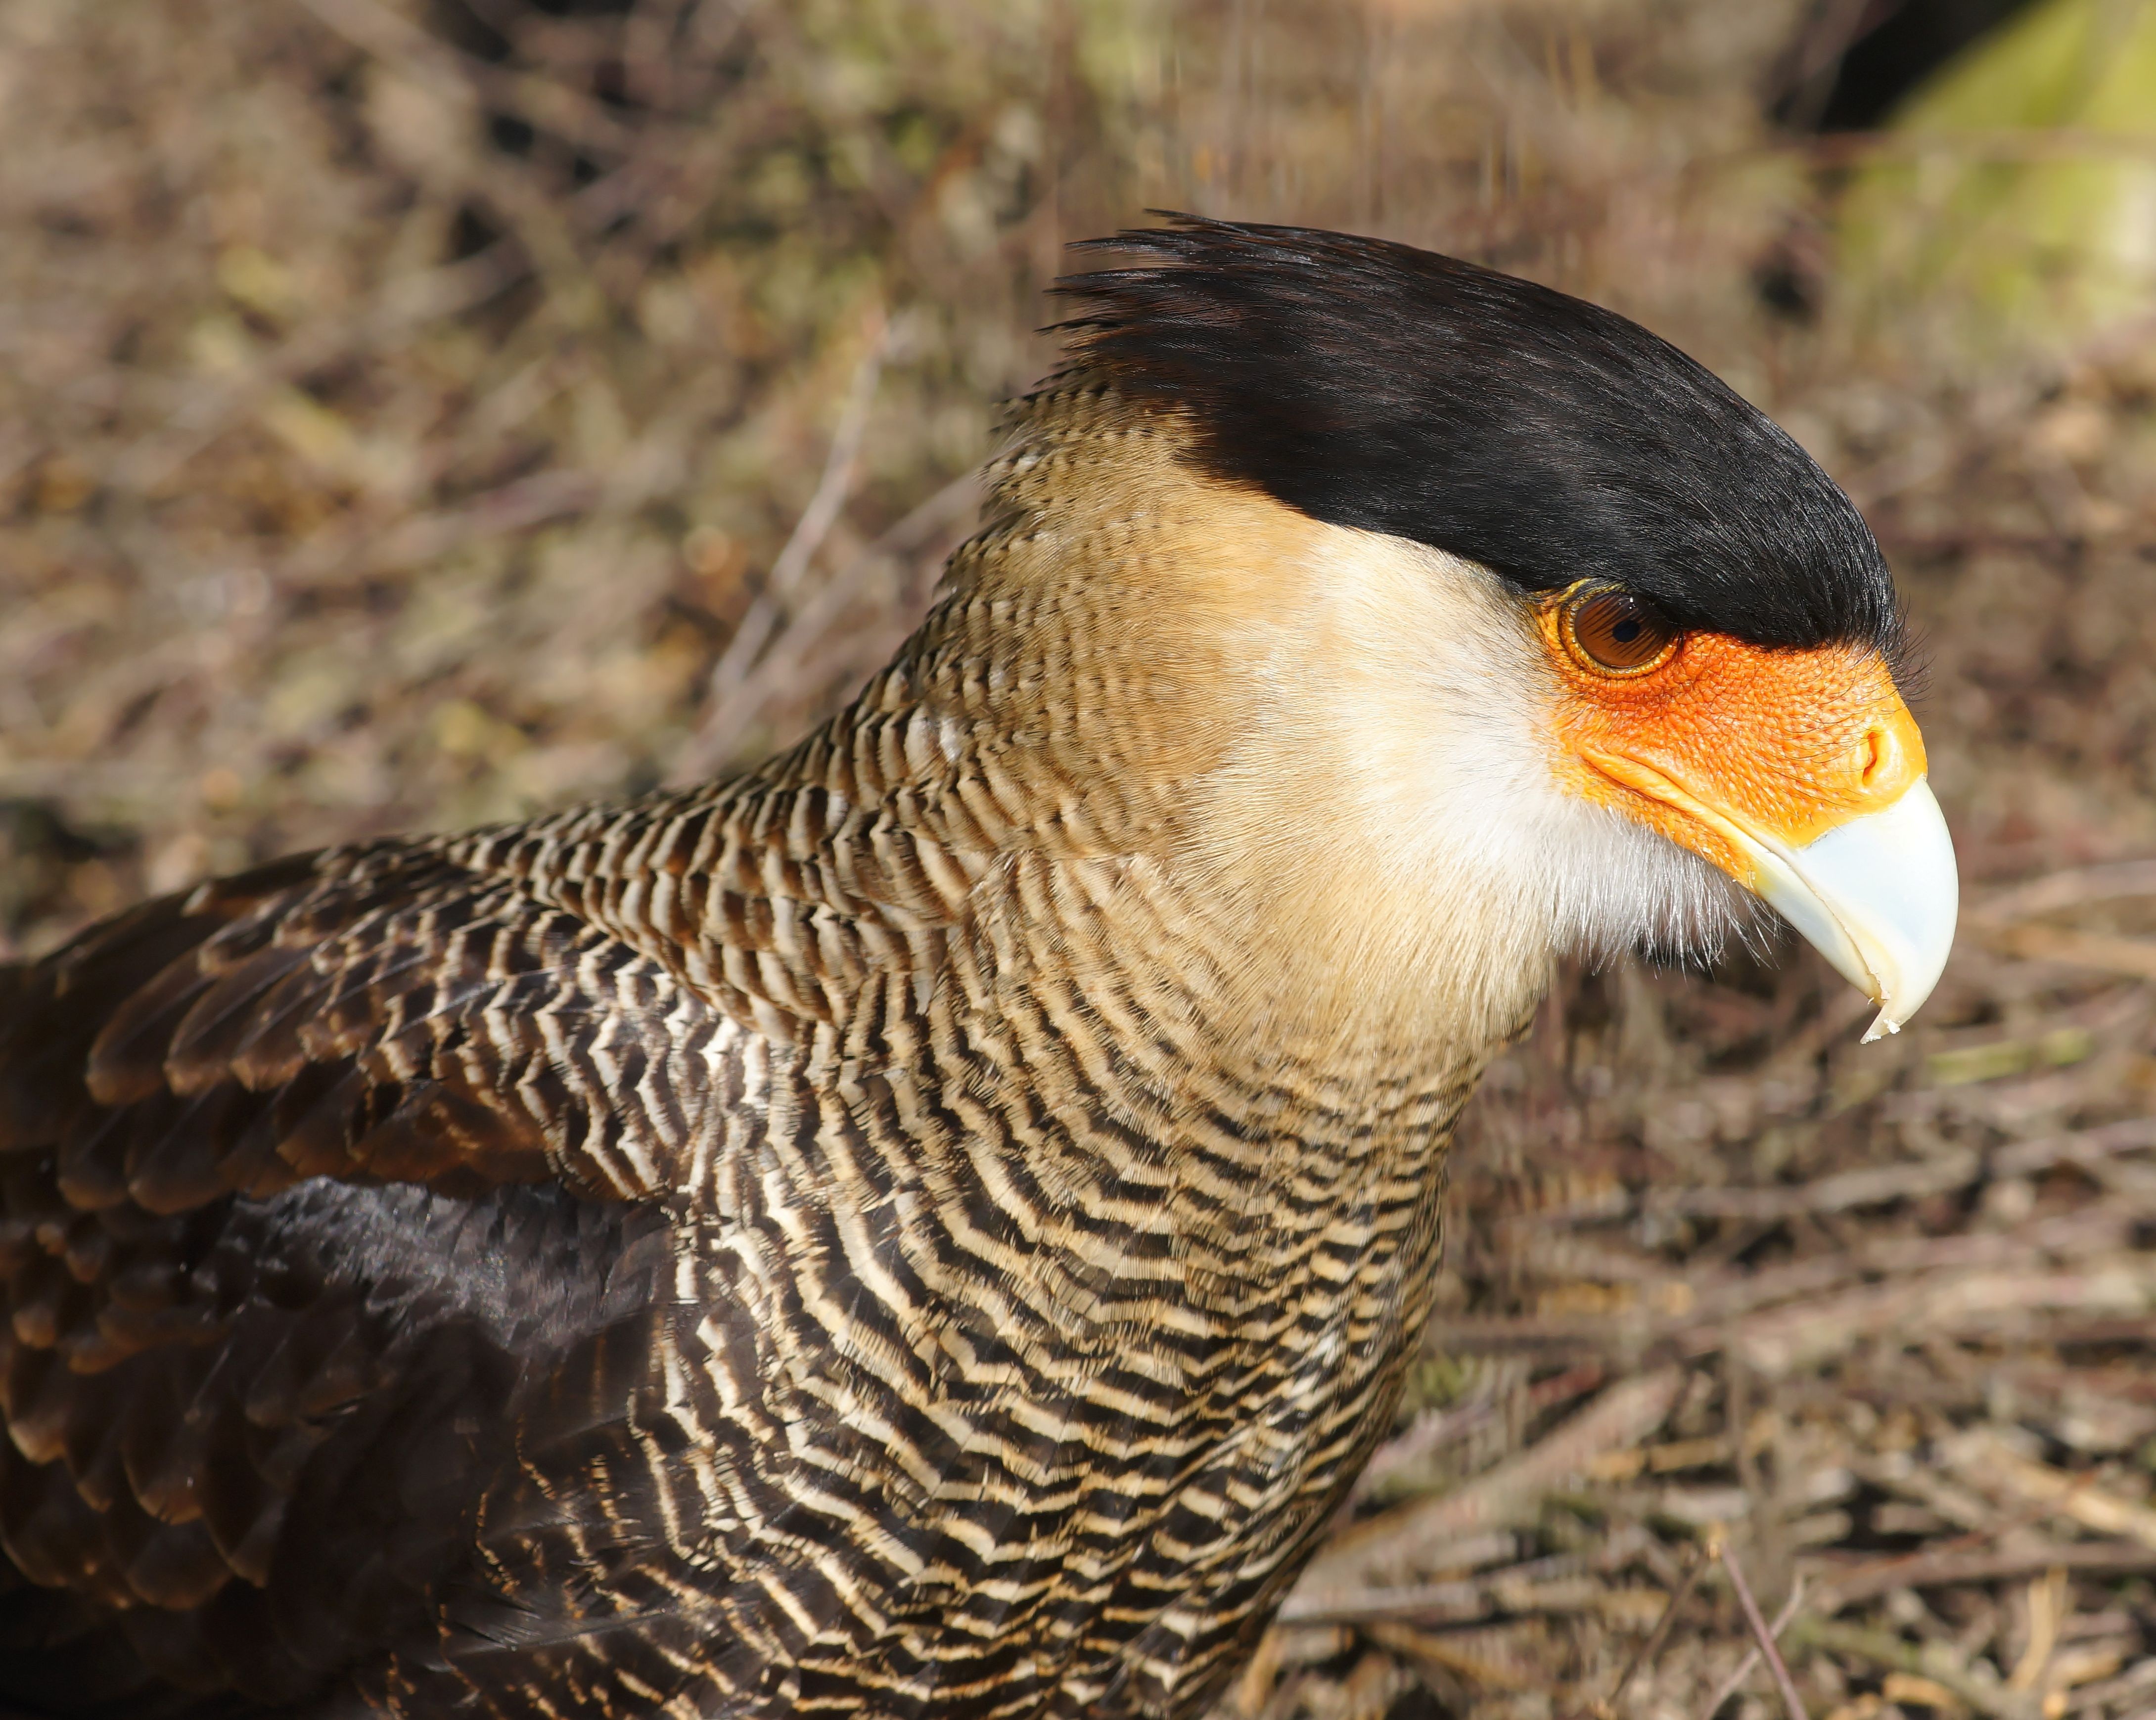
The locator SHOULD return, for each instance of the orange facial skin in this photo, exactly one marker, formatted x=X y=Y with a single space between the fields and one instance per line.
x=1782 y=744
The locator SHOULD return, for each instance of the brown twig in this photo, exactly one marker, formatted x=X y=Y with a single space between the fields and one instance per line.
x=1873 y=1185
x=2133 y=1685
x=1762 y=1633
x=1979 y=1455
x=2135 y=958
x=2048 y=1604
x=1434 y=1430
x=705 y=752
x=1456 y=1657
x=1857 y=1642
x=1730 y=1685
x=1847 y=1586
x=1550 y=1584
x=801 y=654
x=1368 y=1554
x=1644 y=1655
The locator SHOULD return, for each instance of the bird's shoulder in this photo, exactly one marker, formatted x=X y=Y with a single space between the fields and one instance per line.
x=543 y=1001
x=383 y=1013
x=324 y=1185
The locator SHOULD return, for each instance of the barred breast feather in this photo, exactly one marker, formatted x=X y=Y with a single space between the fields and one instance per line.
x=931 y=1226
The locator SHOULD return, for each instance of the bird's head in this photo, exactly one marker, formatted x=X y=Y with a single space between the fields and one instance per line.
x=1537 y=632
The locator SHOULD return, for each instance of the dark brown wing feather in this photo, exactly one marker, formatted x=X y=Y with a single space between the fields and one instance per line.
x=308 y=1180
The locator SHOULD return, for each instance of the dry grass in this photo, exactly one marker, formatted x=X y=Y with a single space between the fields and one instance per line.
x=419 y=413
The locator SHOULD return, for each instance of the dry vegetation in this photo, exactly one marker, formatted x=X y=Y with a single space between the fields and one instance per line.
x=412 y=413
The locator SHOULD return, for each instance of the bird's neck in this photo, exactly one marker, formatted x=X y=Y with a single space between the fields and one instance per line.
x=1190 y=695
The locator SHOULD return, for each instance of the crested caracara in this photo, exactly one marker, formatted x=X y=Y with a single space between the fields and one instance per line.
x=932 y=1226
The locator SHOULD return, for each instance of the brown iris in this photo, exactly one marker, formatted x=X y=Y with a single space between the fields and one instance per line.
x=1612 y=633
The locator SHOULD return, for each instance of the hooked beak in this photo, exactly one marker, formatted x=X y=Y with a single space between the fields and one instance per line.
x=1810 y=791
x=1877 y=896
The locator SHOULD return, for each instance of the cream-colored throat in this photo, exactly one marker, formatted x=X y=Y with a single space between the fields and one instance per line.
x=1391 y=733
x=1307 y=728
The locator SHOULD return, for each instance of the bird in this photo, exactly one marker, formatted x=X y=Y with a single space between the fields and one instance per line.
x=933 y=1225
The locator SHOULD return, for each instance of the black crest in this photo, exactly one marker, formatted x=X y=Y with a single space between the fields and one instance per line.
x=1375 y=386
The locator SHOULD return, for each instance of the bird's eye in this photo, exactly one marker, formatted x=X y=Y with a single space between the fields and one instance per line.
x=1612 y=633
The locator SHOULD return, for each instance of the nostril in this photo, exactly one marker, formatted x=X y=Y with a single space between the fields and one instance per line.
x=1878 y=756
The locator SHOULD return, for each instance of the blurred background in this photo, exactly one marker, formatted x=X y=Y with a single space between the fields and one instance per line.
x=415 y=412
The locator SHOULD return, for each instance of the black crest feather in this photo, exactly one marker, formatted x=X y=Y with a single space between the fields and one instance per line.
x=1375 y=386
